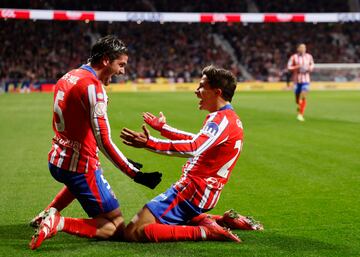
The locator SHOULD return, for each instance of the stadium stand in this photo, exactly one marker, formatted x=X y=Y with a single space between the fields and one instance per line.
x=41 y=51
x=48 y=49
x=264 y=48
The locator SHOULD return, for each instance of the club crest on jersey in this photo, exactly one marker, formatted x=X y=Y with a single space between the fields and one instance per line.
x=239 y=123
x=100 y=109
x=100 y=96
x=211 y=129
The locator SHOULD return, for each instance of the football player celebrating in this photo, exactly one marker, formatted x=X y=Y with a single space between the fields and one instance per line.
x=212 y=153
x=301 y=64
x=81 y=128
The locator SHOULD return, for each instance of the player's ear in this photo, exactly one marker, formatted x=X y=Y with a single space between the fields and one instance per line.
x=105 y=61
x=218 y=91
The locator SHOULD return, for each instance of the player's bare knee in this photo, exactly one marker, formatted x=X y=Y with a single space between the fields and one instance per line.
x=130 y=234
x=133 y=233
x=110 y=224
x=106 y=231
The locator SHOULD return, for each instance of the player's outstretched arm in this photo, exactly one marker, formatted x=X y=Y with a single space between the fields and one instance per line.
x=156 y=123
x=135 y=139
x=159 y=124
x=209 y=136
x=101 y=129
x=149 y=179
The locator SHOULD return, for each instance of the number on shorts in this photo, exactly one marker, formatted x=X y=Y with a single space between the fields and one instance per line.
x=105 y=182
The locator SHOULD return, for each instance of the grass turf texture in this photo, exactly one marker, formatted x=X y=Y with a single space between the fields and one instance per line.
x=300 y=179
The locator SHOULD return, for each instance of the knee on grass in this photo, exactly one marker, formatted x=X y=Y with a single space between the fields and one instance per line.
x=106 y=231
x=134 y=234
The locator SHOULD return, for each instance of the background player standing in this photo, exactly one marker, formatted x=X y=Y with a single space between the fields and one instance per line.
x=301 y=65
x=212 y=153
x=82 y=128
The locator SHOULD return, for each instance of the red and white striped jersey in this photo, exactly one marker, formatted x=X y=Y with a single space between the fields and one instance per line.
x=305 y=64
x=213 y=154
x=81 y=125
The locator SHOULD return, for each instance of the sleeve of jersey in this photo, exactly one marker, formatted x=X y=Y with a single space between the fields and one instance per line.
x=291 y=64
x=213 y=132
x=102 y=132
x=312 y=64
x=175 y=134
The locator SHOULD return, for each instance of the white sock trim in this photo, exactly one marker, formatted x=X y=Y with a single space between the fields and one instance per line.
x=203 y=233
x=60 y=226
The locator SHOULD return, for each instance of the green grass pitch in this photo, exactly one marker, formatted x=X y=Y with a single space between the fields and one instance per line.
x=300 y=179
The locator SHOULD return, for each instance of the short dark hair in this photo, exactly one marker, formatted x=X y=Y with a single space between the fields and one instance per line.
x=109 y=46
x=221 y=78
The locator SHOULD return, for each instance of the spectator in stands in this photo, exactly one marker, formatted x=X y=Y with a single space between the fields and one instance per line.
x=171 y=50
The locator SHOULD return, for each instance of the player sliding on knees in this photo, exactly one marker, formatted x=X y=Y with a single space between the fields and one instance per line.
x=230 y=219
x=301 y=64
x=81 y=128
x=212 y=153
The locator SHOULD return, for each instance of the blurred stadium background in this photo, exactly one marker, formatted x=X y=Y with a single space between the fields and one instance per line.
x=300 y=180
x=38 y=47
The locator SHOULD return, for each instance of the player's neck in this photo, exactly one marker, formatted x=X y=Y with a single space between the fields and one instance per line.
x=98 y=70
x=220 y=103
x=95 y=68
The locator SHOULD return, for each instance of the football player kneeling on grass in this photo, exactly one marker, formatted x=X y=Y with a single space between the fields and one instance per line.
x=212 y=155
x=81 y=128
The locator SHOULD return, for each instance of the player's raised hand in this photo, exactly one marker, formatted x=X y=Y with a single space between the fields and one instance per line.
x=135 y=139
x=155 y=122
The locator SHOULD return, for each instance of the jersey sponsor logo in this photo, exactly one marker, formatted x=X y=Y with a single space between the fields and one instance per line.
x=100 y=109
x=211 y=180
x=211 y=129
x=214 y=183
x=68 y=143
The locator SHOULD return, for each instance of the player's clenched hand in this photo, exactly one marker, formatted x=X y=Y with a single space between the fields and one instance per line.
x=155 y=122
x=151 y=179
x=135 y=139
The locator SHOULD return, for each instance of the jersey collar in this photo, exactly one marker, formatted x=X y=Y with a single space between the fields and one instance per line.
x=226 y=107
x=88 y=68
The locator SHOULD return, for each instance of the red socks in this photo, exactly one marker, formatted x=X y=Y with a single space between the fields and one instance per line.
x=217 y=218
x=196 y=220
x=162 y=233
x=80 y=227
x=302 y=105
x=62 y=199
